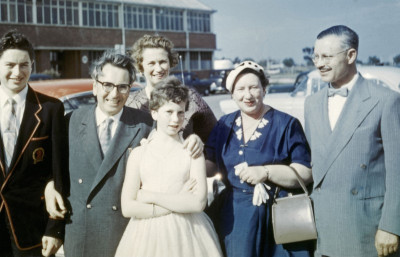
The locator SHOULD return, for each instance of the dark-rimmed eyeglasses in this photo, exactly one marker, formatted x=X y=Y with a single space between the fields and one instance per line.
x=108 y=87
x=325 y=58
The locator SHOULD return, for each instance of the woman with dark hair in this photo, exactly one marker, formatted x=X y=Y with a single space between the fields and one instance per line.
x=256 y=150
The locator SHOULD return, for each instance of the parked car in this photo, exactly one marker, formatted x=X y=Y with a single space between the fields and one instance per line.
x=74 y=93
x=190 y=79
x=218 y=80
x=293 y=103
x=39 y=76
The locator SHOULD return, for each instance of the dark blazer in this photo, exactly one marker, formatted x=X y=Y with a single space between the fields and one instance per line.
x=355 y=169
x=97 y=224
x=40 y=154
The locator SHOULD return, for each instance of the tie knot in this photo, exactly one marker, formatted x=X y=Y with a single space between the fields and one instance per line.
x=343 y=91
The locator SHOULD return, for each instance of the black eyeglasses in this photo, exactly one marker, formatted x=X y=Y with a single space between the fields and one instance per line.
x=108 y=87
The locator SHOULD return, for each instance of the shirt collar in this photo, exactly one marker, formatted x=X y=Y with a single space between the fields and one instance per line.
x=19 y=98
x=101 y=116
x=351 y=83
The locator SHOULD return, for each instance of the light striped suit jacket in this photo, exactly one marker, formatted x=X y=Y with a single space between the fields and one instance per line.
x=356 y=169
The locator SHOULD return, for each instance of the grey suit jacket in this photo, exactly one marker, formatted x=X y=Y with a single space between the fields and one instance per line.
x=356 y=169
x=96 y=225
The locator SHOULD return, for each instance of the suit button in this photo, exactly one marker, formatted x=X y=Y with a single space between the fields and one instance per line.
x=115 y=208
x=89 y=206
x=363 y=166
x=240 y=152
x=80 y=181
x=354 y=191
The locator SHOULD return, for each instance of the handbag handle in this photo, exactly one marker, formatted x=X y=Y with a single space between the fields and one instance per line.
x=301 y=182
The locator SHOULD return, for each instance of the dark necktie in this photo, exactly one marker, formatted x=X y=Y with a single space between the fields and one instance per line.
x=343 y=91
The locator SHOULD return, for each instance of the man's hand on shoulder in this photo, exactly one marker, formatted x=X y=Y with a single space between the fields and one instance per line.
x=386 y=243
x=50 y=245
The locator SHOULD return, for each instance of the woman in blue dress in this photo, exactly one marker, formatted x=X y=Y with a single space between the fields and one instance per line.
x=254 y=145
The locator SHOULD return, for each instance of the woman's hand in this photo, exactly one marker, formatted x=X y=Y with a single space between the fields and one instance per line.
x=194 y=145
x=54 y=202
x=253 y=175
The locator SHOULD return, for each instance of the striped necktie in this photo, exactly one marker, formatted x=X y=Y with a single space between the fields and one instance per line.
x=105 y=134
x=9 y=126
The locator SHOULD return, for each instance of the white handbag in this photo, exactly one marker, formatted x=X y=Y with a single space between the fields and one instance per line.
x=293 y=217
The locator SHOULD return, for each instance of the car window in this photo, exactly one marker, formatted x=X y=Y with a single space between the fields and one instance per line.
x=316 y=85
x=84 y=100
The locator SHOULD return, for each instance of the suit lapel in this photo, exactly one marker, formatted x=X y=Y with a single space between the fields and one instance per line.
x=91 y=144
x=125 y=133
x=355 y=110
x=29 y=125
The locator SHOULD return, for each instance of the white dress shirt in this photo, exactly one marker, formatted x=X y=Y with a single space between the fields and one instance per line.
x=20 y=100
x=101 y=117
x=336 y=102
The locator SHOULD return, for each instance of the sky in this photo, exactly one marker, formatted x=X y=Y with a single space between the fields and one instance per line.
x=279 y=29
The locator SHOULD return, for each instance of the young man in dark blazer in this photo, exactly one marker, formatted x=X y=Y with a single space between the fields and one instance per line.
x=32 y=152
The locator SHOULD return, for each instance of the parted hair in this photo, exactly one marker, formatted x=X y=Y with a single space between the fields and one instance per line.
x=350 y=36
x=153 y=41
x=16 y=40
x=114 y=58
x=170 y=89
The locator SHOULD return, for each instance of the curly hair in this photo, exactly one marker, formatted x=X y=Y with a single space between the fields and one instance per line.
x=15 y=40
x=153 y=41
x=170 y=89
x=114 y=58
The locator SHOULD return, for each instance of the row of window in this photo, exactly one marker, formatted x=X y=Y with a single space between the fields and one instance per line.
x=66 y=12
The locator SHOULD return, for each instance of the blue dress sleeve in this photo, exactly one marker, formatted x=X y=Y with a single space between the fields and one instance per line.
x=297 y=144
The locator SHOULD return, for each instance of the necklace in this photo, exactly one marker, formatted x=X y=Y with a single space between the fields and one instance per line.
x=248 y=131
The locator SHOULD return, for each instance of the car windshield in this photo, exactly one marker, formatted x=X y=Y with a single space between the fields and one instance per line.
x=309 y=86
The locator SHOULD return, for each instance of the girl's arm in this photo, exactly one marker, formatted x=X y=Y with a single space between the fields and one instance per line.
x=130 y=206
x=184 y=201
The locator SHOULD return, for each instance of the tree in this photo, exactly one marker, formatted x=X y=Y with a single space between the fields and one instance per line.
x=288 y=62
x=236 y=60
x=373 y=60
x=396 y=60
x=263 y=62
x=308 y=51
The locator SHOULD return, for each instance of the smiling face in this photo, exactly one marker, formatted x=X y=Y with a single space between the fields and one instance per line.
x=248 y=94
x=155 y=65
x=341 y=67
x=15 y=70
x=111 y=103
x=169 y=117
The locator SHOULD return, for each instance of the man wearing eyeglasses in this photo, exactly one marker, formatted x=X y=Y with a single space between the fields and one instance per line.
x=100 y=138
x=353 y=128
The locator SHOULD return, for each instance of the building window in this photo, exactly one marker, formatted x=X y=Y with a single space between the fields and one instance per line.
x=100 y=15
x=138 y=17
x=198 y=22
x=194 y=61
x=205 y=60
x=168 y=19
x=18 y=11
x=57 y=12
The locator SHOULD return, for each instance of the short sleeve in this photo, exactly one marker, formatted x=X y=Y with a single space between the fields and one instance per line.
x=297 y=144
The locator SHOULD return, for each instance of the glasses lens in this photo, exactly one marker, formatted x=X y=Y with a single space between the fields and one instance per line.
x=123 y=88
x=108 y=87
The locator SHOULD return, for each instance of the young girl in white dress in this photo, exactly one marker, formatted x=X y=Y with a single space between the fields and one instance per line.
x=165 y=190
